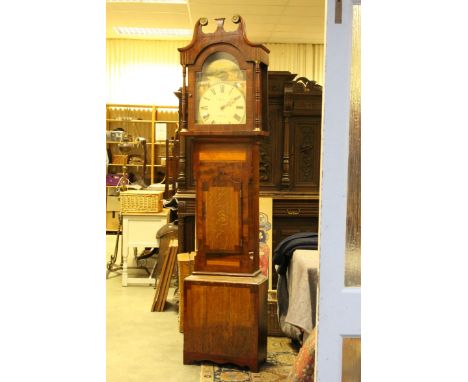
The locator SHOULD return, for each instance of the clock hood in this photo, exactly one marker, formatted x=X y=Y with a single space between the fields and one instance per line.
x=237 y=38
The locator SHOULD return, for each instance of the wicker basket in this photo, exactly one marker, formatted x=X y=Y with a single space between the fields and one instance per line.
x=119 y=159
x=273 y=326
x=141 y=202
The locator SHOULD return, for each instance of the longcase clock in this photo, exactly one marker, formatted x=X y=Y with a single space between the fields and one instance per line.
x=225 y=110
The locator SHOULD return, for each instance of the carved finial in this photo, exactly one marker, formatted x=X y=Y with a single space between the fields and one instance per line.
x=220 y=22
x=305 y=85
x=235 y=19
x=203 y=21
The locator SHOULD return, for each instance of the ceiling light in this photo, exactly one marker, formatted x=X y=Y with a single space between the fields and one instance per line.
x=149 y=1
x=153 y=31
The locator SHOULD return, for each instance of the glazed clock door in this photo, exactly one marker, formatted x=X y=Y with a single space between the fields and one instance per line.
x=220 y=91
x=224 y=206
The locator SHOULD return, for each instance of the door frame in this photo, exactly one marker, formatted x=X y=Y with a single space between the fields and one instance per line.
x=339 y=312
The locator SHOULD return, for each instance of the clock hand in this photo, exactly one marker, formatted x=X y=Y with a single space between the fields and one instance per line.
x=230 y=102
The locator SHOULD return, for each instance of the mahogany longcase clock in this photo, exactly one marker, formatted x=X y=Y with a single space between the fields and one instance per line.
x=225 y=110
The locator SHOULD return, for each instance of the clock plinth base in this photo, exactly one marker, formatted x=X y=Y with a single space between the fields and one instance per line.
x=225 y=319
x=226 y=274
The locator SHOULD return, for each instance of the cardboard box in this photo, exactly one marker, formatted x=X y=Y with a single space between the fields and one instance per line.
x=112 y=220
x=113 y=203
x=185 y=262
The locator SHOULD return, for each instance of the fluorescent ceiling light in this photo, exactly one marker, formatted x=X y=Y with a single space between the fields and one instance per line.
x=149 y=1
x=152 y=31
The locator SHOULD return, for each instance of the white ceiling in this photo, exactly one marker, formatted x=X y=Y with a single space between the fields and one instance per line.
x=267 y=21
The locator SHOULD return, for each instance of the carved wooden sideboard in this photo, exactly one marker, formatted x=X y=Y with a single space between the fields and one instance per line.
x=289 y=161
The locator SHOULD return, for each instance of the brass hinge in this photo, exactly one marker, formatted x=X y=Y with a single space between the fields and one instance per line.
x=338 y=11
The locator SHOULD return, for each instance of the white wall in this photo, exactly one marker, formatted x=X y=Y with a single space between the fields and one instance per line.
x=149 y=71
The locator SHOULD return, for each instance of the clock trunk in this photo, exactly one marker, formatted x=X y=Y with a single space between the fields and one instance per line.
x=227 y=184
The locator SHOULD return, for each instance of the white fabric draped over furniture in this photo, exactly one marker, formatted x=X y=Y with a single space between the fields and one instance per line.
x=297 y=294
x=149 y=71
x=302 y=290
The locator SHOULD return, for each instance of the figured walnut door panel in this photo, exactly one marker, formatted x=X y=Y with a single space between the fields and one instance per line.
x=224 y=228
x=223 y=221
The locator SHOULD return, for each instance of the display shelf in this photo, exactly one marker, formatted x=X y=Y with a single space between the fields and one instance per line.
x=130 y=120
x=117 y=142
x=138 y=165
x=133 y=164
x=144 y=121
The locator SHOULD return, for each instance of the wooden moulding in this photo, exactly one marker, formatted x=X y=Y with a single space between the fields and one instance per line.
x=164 y=280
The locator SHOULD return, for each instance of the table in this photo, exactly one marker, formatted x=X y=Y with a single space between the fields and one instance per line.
x=139 y=230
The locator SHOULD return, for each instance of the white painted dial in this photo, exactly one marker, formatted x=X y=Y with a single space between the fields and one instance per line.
x=222 y=104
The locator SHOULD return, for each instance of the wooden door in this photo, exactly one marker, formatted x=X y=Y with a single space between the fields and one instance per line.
x=226 y=212
x=339 y=319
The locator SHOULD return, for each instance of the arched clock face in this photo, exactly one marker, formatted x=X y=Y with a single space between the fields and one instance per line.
x=222 y=103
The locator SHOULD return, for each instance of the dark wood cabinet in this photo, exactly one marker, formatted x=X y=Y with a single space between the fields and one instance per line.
x=302 y=120
x=272 y=147
x=293 y=214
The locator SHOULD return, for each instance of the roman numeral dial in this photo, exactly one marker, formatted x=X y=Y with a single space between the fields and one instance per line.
x=222 y=103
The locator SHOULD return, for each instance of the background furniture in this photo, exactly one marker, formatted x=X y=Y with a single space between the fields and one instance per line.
x=168 y=260
x=289 y=161
x=139 y=230
x=157 y=124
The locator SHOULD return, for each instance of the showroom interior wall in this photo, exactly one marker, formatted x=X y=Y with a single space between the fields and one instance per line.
x=149 y=71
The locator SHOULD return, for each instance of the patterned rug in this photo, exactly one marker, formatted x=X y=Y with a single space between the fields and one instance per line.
x=280 y=358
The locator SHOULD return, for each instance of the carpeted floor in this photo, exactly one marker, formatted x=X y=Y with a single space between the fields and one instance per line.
x=280 y=358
